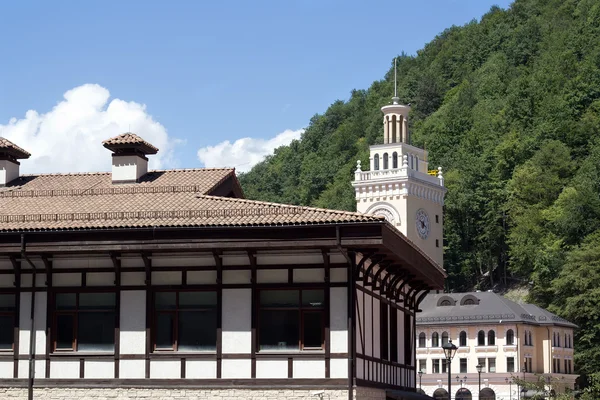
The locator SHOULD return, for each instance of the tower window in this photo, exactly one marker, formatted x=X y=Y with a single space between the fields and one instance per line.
x=437 y=243
x=395 y=160
x=385 y=161
x=437 y=219
x=376 y=162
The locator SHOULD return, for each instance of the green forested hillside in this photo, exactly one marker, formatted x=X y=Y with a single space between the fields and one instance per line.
x=510 y=107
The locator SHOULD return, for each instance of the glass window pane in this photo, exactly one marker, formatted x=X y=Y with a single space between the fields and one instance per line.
x=280 y=298
x=313 y=298
x=312 y=332
x=6 y=332
x=278 y=330
x=197 y=330
x=65 y=301
x=96 y=331
x=165 y=300
x=97 y=301
x=64 y=331
x=7 y=302
x=197 y=299
x=164 y=330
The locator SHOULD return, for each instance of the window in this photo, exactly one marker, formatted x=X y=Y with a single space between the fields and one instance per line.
x=291 y=319
x=376 y=162
x=510 y=364
x=393 y=334
x=528 y=365
x=417 y=163
x=463 y=365
x=481 y=361
x=383 y=331
x=84 y=321
x=444 y=338
x=481 y=338
x=444 y=365
x=385 y=161
x=491 y=365
x=510 y=337
x=566 y=367
x=445 y=303
x=530 y=339
x=469 y=302
x=423 y=366
x=395 y=160
x=557 y=339
x=185 y=321
x=435 y=340
x=437 y=219
x=491 y=338
x=462 y=339
x=422 y=339
x=7 y=321
x=436 y=366
x=437 y=243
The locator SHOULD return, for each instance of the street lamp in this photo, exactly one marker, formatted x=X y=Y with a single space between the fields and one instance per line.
x=509 y=381
x=449 y=352
x=479 y=369
x=458 y=379
x=420 y=376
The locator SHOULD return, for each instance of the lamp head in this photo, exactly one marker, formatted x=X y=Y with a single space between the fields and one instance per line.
x=479 y=368
x=449 y=350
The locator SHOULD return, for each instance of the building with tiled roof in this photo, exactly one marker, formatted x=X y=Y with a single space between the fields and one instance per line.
x=506 y=339
x=148 y=282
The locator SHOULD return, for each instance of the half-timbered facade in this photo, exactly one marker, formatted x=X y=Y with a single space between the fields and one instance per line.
x=169 y=284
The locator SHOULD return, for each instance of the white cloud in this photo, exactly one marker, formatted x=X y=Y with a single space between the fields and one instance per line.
x=69 y=137
x=244 y=153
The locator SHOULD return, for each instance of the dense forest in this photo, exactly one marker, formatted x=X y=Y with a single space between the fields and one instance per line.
x=509 y=106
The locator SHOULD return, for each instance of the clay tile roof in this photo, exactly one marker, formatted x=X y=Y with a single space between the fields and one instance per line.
x=8 y=147
x=129 y=140
x=173 y=198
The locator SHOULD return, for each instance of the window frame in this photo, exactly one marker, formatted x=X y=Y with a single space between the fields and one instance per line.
x=176 y=311
x=465 y=368
x=301 y=311
x=510 y=334
x=508 y=368
x=12 y=314
x=74 y=313
x=480 y=335
x=423 y=337
x=491 y=338
x=435 y=339
x=460 y=338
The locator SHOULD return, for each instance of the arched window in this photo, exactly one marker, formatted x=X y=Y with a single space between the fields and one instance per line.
x=376 y=162
x=530 y=339
x=510 y=337
x=445 y=303
x=487 y=394
x=422 y=340
x=394 y=130
x=435 y=340
x=440 y=394
x=462 y=340
x=526 y=339
x=491 y=338
x=463 y=394
x=481 y=338
x=444 y=338
x=395 y=160
x=385 y=161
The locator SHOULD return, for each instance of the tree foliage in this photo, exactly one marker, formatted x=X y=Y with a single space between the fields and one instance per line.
x=509 y=106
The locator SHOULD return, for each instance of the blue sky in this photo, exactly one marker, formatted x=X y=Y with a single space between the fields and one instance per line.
x=207 y=71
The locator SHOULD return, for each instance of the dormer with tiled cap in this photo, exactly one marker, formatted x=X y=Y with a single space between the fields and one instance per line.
x=129 y=161
x=9 y=166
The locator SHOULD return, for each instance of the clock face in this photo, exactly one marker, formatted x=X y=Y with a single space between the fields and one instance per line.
x=422 y=222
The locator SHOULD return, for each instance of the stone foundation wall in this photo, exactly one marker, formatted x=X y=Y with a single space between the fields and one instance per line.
x=186 y=394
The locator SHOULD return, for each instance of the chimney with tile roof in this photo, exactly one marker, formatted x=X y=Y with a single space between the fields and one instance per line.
x=9 y=166
x=129 y=161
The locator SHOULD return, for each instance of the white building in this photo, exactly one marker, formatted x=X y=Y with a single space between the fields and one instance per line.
x=169 y=284
x=506 y=338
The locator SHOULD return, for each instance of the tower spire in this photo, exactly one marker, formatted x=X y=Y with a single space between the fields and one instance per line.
x=395 y=99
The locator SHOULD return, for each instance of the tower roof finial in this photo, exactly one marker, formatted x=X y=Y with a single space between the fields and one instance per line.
x=395 y=99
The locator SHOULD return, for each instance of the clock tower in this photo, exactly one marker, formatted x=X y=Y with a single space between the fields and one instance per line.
x=399 y=186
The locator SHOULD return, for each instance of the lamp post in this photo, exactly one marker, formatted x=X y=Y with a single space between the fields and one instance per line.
x=420 y=376
x=479 y=369
x=509 y=381
x=449 y=352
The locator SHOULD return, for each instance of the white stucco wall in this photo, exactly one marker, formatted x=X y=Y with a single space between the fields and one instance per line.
x=272 y=369
x=338 y=322
x=237 y=321
x=309 y=368
x=236 y=369
x=200 y=369
x=99 y=369
x=133 y=322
